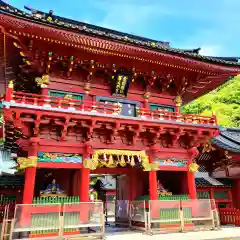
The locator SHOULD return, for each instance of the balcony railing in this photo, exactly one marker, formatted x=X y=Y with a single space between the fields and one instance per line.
x=51 y=102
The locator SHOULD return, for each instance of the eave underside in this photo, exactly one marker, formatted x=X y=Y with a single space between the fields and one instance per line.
x=103 y=33
x=216 y=73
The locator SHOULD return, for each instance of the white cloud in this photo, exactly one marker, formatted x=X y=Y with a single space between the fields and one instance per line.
x=132 y=16
x=210 y=50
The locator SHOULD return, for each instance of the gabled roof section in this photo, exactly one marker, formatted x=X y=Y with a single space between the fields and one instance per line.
x=202 y=182
x=104 y=33
x=229 y=139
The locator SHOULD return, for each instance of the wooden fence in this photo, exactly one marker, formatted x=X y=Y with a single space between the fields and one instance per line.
x=229 y=216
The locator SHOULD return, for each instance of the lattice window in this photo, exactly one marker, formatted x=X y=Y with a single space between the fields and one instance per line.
x=128 y=107
x=221 y=195
x=203 y=195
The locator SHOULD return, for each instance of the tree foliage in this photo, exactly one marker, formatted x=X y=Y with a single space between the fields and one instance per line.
x=224 y=101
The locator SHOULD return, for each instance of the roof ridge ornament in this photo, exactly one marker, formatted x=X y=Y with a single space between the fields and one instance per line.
x=38 y=14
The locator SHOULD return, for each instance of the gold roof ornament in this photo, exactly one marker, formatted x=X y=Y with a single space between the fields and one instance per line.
x=42 y=81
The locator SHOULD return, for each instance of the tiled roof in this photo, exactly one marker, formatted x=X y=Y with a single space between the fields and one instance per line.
x=201 y=182
x=226 y=181
x=229 y=139
x=11 y=181
x=100 y=32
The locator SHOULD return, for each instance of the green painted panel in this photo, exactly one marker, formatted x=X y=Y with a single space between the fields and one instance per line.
x=154 y=107
x=62 y=94
x=203 y=195
x=220 y=195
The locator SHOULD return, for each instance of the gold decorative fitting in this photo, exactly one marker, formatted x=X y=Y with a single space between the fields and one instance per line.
x=178 y=101
x=10 y=84
x=147 y=95
x=16 y=45
x=27 y=162
x=207 y=147
x=87 y=87
x=112 y=158
x=68 y=97
x=43 y=81
x=193 y=167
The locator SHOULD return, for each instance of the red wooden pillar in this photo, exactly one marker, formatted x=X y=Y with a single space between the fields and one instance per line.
x=30 y=174
x=29 y=184
x=9 y=91
x=84 y=185
x=84 y=194
x=230 y=198
x=236 y=193
x=45 y=91
x=153 y=189
x=211 y=193
x=191 y=185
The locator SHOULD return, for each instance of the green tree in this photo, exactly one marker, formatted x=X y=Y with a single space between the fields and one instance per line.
x=224 y=101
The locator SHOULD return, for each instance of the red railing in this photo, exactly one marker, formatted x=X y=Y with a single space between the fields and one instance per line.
x=229 y=216
x=162 y=114
x=64 y=103
x=105 y=108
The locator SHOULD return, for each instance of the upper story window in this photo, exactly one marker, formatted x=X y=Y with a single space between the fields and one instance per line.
x=154 y=107
x=128 y=108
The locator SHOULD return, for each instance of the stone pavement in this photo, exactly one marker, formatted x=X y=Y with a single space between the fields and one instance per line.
x=226 y=233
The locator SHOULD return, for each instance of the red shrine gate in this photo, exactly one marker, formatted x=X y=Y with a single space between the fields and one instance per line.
x=82 y=99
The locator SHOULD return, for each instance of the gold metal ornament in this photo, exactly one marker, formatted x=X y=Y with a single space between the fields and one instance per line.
x=178 y=101
x=43 y=81
x=30 y=161
x=147 y=95
x=193 y=167
x=122 y=162
x=10 y=84
x=111 y=163
x=132 y=163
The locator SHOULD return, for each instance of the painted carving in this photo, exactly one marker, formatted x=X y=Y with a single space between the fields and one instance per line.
x=52 y=189
x=172 y=162
x=59 y=157
x=26 y=162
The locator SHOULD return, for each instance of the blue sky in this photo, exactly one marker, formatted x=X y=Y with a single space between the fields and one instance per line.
x=213 y=25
